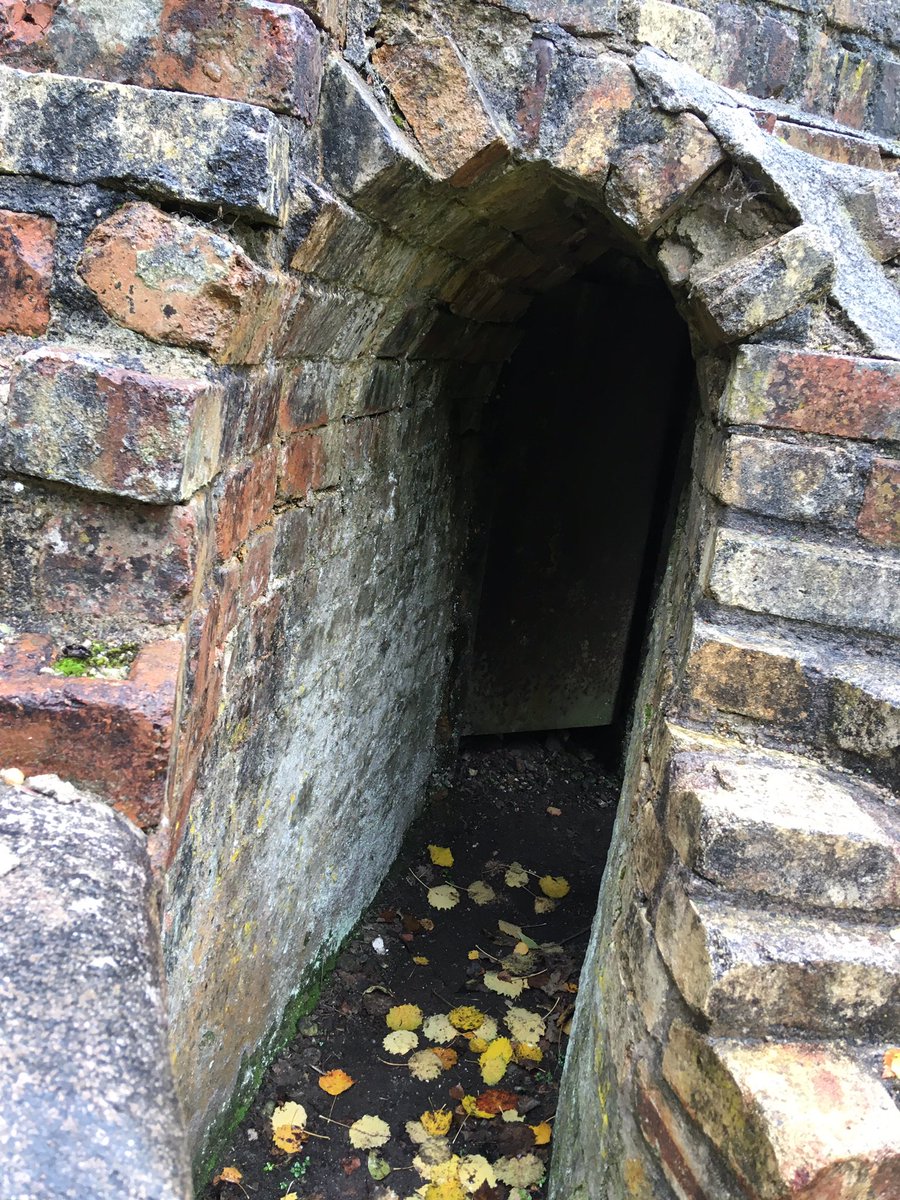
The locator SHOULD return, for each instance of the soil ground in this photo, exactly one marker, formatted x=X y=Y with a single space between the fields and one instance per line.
x=545 y=803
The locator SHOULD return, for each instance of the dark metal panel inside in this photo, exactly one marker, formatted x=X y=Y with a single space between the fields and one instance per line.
x=583 y=424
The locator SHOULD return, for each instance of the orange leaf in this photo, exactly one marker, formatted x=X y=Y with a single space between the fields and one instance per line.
x=891 y=1064
x=447 y=1056
x=229 y=1175
x=542 y=1133
x=335 y=1082
x=496 y=1101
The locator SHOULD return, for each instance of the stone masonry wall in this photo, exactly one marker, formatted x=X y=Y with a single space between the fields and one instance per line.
x=261 y=267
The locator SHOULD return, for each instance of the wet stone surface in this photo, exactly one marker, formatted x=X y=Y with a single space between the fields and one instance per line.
x=546 y=804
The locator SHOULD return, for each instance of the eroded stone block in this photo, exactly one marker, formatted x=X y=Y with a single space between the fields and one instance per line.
x=814 y=393
x=26 y=272
x=789 y=832
x=806 y=581
x=765 y=286
x=793 y=1120
x=879 y=518
x=754 y=970
x=764 y=682
x=88 y=422
x=177 y=282
x=785 y=479
x=581 y=128
x=876 y=210
x=833 y=147
x=436 y=94
x=648 y=182
x=683 y=33
x=209 y=152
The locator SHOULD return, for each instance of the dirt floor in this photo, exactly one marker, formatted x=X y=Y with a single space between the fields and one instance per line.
x=522 y=818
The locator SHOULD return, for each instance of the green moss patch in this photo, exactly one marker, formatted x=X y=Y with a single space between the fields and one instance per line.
x=96 y=659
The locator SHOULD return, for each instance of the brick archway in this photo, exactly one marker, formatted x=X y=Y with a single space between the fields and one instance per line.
x=232 y=435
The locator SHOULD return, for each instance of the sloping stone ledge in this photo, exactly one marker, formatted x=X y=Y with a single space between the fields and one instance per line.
x=87 y=1102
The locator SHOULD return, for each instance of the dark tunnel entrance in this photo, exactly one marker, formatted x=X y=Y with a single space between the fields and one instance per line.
x=585 y=453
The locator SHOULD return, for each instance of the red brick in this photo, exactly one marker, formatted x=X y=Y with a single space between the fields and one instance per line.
x=307 y=395
x=245 y=502
x=177 y=282
x=879 y=518
x=834 y=147
x=23 y=22
x=109 y=735
x=661 y=1132
x=259 y=53
x=302 y=465
x=886 y=106
x=26 y=272
x=815 y=393
x=778 y=46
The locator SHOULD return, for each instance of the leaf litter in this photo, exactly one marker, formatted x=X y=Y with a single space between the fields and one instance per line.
x=473 y=1002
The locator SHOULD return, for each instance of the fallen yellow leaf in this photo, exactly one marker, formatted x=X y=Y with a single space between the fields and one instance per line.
x=288 y=1138
x=516 y=875
x=481 y=892
x=368 y=1133
x=470 y=1106
x=404 y=1016
x=445 y=896
x=494 y=1060
x=436 y=1122
x=441 y=856
x=450 y=1189
x=335 y=1082
x=288 y=1127
x=505 y=987
x=424 y=1065
x=475 y=1170
x=524 y=1052
x=401 y=1041
x=554 y=886
x=542 y=1133
x=520 y=948
x=473 y=955
x=439 y=1029
x=521 y=1172
x=466 y=1018
x=420 y=960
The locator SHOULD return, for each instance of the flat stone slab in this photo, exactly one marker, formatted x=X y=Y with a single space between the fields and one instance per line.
x=87 y=1102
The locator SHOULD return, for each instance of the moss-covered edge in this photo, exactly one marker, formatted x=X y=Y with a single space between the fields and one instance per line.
x=255 y=1065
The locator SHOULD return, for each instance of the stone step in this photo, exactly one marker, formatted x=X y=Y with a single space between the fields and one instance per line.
x=824 y=691
x=111 y=736
x=792 y=832
x=793 y=1120
x=753 y=970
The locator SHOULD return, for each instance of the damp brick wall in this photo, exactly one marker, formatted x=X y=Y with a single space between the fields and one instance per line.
x=261 y=266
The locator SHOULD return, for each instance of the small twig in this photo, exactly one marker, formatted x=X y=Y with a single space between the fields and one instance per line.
x=331 y=1121
x=323 y=1137
x=390 y=1064
x=459 y=1131
x=573 y=936
x=486 y=955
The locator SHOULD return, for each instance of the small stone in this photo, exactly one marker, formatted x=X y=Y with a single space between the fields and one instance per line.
x=26 y=272
x=12 y=776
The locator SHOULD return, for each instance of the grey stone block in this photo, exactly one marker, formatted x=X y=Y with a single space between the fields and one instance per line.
x=215 y=153
x=87 y=1103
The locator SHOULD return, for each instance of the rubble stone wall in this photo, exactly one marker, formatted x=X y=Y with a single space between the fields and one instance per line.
x=262 y=264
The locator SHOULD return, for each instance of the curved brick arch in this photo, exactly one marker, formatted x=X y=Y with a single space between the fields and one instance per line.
x=203 y=449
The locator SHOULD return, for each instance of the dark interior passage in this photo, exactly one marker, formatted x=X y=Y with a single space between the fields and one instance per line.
x=584 y=433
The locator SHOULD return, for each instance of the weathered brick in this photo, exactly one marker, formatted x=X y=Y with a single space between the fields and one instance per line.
x=245 y=498
x=250 y=50
x=26 y=272
x=814 y=393
x=581 y=16
x=753 y=970
x=89 y=422
x=87 y=568
x=820 y=75
x=856 y=77
x=879 y=518
x=431 y=85
x=875 y=209
x=308 y=396
x=736 y=32
x=302 y=465
x=864 y=713
x=765 y=286
x=789 y=480
x=790 y=832
x=793 y=1120
x=886 y=105
x=849 y=589
x=177 y=282
x=764 y=683
x=649 y=182
x=683 y=33
x=665 y=1132
x=210 y=152
x=327 y=323
x=834 y=147
x=777 y=51
x=23 y=22
x=111 y=736
x=585 y=130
